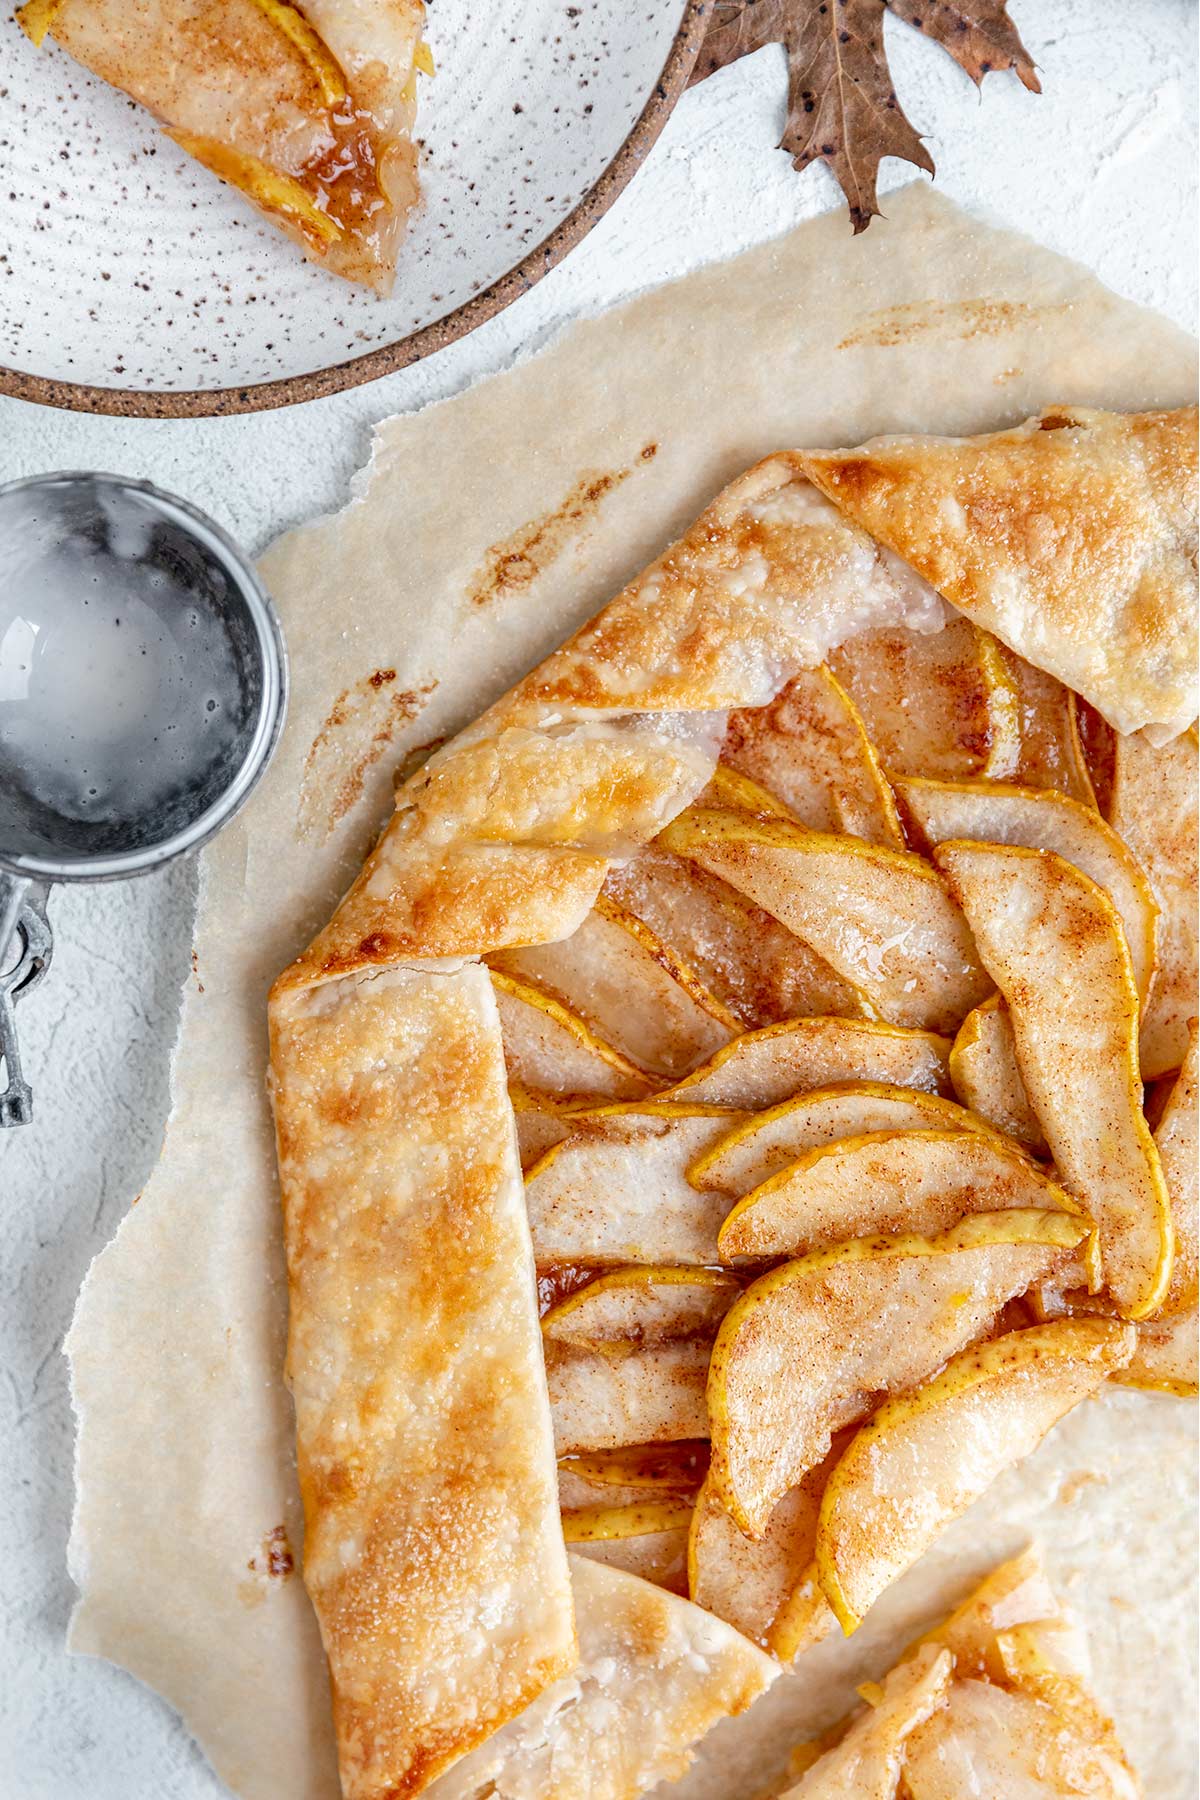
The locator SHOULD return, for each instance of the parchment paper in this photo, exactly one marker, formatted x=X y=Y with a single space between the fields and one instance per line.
x=484 y=530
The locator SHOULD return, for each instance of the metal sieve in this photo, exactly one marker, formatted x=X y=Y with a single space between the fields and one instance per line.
x=143 y=680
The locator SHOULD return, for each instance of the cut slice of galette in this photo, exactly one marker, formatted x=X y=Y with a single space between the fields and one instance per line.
x=307 y=108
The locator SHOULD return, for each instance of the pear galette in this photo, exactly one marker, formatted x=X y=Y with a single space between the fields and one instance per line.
x=721 y=1095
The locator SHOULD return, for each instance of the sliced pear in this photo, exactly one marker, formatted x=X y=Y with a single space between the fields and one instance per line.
x=866 y=1761
x=989 y=1741
x=322 y=63
x=764 y=1068
x=731 y=787
x=542 y=1122
x=751 y=962
x=885 y=1182
x=934 y=703
x=549 y=1050
x=269 y=188
x=809 y=1347
x=1049 y=754
x=983 y=1067
x=652 y=1395
x=881 y=918
x=1153 y=807
x=766 y=1587
x=1054 y=944
x=675 y=1468
x=616 y=1190
x=1165 y=1359
x=656 y=1556
x=648 y=1304
x=994 y=813
x=594 y=1524
x=1094 y=742
x=1016 y=1594
x=1179 y=1152
x=659 y=1557
x=926 y=1456
x=629 y=988
x=810 y=747
x=760 y=1146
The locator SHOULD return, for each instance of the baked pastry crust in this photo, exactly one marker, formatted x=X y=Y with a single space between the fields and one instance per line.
x=308 y=108
x=1071 y=537
x=433 y=1549
x=503 y=839
x=655 y=1673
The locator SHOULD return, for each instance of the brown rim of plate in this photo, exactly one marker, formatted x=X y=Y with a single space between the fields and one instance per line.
x=207 y=403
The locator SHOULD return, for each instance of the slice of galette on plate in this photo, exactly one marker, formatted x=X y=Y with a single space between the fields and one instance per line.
x=307 y=109
x=655 y=1113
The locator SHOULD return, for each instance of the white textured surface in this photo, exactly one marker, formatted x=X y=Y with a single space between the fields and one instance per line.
x=1102 y=168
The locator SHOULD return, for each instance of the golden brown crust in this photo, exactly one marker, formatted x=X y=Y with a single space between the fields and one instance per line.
x=610 y=737
x=433 y=1550
x=1071 y=537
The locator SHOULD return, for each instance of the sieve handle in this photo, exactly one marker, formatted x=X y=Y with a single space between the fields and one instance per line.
x=25 y=949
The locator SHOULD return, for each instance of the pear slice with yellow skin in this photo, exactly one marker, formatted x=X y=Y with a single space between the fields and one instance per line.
x=616 y=1191
x=730 y=787
x=809 y=1347
x=1049 y=753
x=269 y=188
x=760 y=1146
x=766 y=1067
x=653 y=1395
x=1177 y=1136
x=880 y=918
x=983 y=1068
x=934 y=703
x=767 y=1587
x=629 y=988
x=882 y=1183
x=543 y=1120
x=655 y=1556
x=648 y=1304
x=1016 y=1593
x=1093 y=741
x=594 y=1524
x=326 y=70
x=675 y=1468
x=986 y=1410
x=1055 y=946
x=994 y=813
x=644 y=1534
x=754 y=965
x=1153 y=808
x=810 y=747
x=1166 y=1359
x=550 y=1051
x=866 y=1760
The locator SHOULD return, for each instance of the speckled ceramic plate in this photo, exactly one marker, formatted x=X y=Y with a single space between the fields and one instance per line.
x=131 y=281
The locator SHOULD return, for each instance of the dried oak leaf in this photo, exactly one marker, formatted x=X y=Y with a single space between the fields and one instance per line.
x=842 y=108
